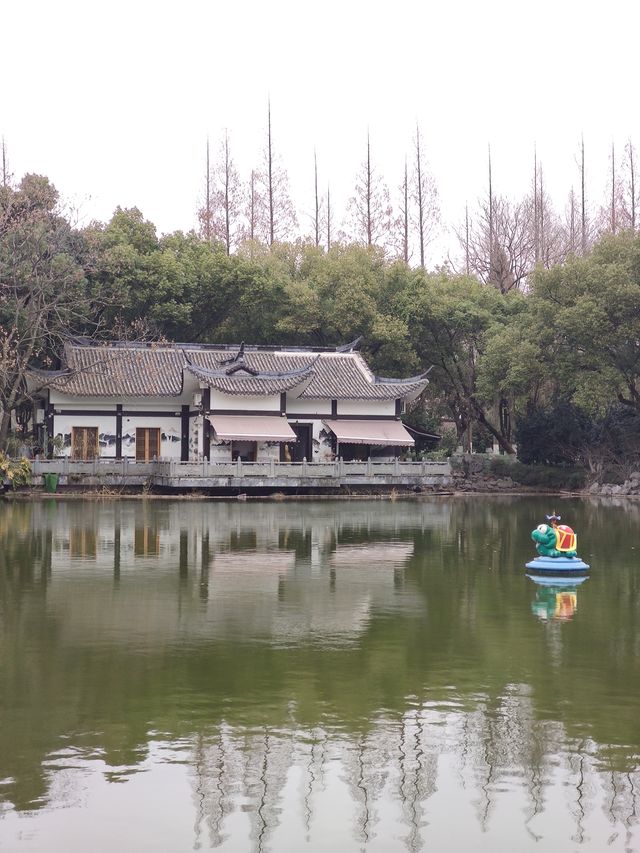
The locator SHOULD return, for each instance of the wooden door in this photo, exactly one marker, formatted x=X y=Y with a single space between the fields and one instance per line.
x=147 y=444
x=296 y=451
x=84 y=443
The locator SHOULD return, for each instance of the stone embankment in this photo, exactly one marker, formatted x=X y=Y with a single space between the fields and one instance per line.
x=485 y=483
x=631 y=487
x=473 y=474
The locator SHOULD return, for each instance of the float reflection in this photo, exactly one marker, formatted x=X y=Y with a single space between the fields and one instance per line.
x=293 y=675
x=556 y=597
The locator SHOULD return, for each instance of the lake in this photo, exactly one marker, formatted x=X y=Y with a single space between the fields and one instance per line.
x=371 y=675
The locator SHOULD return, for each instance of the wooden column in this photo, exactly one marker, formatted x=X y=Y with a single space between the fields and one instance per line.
x=184 y=435
x=206 y=427
x=50 y=428
x=119 y=431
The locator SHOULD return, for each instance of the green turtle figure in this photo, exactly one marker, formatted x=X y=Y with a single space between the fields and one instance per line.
x=554 y=540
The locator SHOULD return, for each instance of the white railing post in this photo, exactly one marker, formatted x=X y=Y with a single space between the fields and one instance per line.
x=272 y=467
x=239 y=467
x=396 y=467
x=304 y=466
x=369 y=467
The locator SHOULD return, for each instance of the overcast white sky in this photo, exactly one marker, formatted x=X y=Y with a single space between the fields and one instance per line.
x=114 y=100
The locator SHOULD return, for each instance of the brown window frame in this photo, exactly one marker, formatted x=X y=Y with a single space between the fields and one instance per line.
x=80 y=448
x=148 y=453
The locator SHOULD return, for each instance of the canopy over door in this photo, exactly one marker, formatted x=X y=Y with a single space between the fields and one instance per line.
x=251 y=428
x=370 y=432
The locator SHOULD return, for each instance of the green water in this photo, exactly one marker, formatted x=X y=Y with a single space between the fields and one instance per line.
x=316 y=676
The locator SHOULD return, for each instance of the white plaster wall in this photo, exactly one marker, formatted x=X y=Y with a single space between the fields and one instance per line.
x=170 y=435
x=170 y=426
x=233 y=401
x=106 y=424
x=310 y=407
x=170 y=431
x=221 y=451
x=367 y=407
x=196 y=437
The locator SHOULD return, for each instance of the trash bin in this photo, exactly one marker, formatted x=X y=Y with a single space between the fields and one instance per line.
x=50 y=482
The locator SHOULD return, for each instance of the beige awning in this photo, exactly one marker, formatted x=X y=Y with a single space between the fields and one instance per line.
x=251 y=428
x=370 y=432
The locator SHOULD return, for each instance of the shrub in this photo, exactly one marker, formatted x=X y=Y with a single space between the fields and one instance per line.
x=540 y=476
x=17 y=472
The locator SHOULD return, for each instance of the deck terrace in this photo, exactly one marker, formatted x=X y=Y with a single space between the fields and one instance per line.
x=244 y=476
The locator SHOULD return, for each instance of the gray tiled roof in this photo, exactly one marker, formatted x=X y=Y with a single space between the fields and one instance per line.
x=242 y=379
x=120 y=371
x=156 y=370
x=335 y=375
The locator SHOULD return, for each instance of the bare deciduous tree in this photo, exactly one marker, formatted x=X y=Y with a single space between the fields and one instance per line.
x=4 y=166
x=369 y=211
x=425 y=198
x=499 y=244
x=220 y=216
x=281 y=219
x=399 y=235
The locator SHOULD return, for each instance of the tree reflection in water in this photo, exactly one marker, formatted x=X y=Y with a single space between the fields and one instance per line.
x=381 y=664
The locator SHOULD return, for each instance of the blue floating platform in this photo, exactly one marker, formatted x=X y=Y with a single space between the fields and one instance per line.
x=560 y=566
x=556 y=580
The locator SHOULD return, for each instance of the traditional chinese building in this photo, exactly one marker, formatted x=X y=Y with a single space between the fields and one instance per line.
x=221 y=402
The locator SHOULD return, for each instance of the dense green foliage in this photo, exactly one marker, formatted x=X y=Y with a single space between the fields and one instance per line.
x=548 y=366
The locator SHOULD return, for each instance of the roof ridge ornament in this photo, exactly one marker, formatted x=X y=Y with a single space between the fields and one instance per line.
x=351 y=347
x=238 y=356
x=385 y=380
x=240 y=365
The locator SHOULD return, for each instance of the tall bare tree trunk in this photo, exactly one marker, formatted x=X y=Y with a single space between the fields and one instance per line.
x=406 y=214
x=536 y=236
x=368 y=192
x=542 y=245
x=270 y=177
x=207 y=212
x=5 y=425
x=328 y=217
x=227 y=178
x=613 y=188
x=584 y=209
x=572 y=223
x=466 y=244
x=5 y=165
x=633 y=187
x=420 y=198
x=491 y=225
x=317 y=200
x=252 y=206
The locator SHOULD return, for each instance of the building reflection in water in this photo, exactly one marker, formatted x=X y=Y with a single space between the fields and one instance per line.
x=295 y=657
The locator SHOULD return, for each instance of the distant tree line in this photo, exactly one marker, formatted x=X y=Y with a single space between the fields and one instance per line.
x=501 y=240
x=550 y=363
